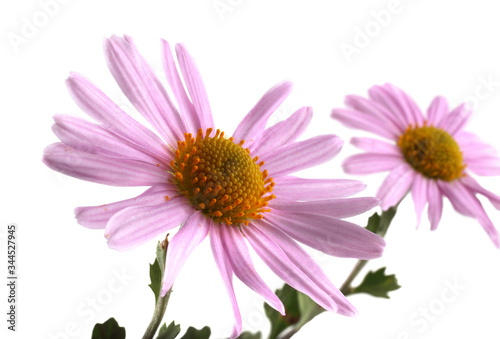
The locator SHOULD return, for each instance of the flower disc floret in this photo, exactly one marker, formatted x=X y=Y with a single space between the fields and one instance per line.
x=220 y=178
x=432 y=152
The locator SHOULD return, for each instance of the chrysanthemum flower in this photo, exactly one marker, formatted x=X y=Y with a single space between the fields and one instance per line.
x=230 y=188
x=431 y=156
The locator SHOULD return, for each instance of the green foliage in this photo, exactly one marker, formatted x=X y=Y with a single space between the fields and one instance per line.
x=155 y=275
x=156 y=271
x=193 y=333
x=169 y=332
x=248 y=335
x=299 y=310
x=379 y=224
x=108 y=330
x=288 y=297
x=308 y=309
x=377 y=284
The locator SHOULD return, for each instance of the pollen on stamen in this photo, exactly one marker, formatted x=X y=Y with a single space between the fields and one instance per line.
x=220 y=178
x=432 y=152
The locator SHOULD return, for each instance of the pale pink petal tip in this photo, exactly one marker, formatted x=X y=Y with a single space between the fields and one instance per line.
x=190 y=235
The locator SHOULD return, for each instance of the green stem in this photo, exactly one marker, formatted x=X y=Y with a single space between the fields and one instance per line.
x=162 y=302
x=346 y=287
x=378 y=225
x=161 y=307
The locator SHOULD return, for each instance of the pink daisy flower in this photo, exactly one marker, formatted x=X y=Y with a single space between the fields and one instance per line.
x=231 y=189
x=432 y=156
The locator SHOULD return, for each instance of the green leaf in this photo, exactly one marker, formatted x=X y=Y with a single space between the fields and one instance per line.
x=156 y=270
x=308 y=309
x=155 y=275
x=299 y=309
x=249 y=335
x=193 y=333
x=169 y=332
x=288 y=297
x=108 y=330
x=379 y=224
x=377 y=284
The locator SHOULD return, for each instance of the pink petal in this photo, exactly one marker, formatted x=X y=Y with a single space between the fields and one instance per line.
x=395 y=186
x=274 y=257
x=134 y=226
x=255 y=121
x=466 y=203
x=483 y=166
x=386 y=99
x=315 y=189
x=373 y=108
x=376 y=146
x=368 y=163
x=435 y=207
x=338 y=208
x=101 y=169
x=239 y=257
x=480 y=157
x=365 y=122
x=97 y=216
x=404 y=104
x=413 y=107
x=189 y=236
x=283 y=132
x=98 y=106
x=329 y=235
x=437 y=111
x=140 y=85
x=186 y=107
x=473 y=147
x=306 y=264
x=195 y=86
x=474 y=186
x=419 y=195
x=302 y=154
x=91 y=138
x=456 y=119
x=226 y=272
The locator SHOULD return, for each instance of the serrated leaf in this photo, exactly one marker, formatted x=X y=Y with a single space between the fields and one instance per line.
x=249 y=335
x=194 y=333
x=155 y=275
x=378 y=284
x=379 y=224
x=108 y=330
x=288 y=296
x=156 y=270
x=169 y=332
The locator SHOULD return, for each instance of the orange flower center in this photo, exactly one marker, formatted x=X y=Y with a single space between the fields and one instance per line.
x=432 y=152
x=220 y=178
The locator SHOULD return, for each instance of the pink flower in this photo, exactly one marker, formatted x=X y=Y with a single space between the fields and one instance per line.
x=229 y=188
x=433 y=156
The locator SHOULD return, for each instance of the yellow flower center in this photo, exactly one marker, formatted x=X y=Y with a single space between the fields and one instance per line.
x=432 y=152
x=220 y=178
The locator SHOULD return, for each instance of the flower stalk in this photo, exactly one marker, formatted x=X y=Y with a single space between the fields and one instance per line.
x=159 y=312
x=378 y=224
x=161 y=302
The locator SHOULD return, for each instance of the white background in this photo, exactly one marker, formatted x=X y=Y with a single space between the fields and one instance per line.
x=427 y=48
